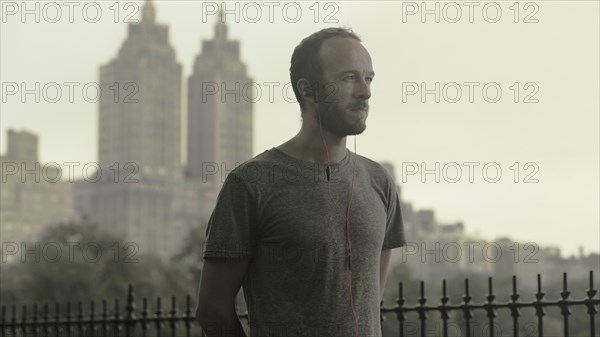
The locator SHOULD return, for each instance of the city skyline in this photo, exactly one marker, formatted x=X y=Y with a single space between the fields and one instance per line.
x=473 y=201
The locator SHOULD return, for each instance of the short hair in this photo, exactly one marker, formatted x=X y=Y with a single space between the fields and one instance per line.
x=306 y=62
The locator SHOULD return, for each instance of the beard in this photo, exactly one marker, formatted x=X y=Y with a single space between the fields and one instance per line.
x=341 y=121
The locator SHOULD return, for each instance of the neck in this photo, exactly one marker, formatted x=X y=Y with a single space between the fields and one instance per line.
x=308 y=145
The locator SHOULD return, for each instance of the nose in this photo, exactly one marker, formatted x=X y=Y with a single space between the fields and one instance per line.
x=364 y=88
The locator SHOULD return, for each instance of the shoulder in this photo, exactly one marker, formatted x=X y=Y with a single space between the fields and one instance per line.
x=262 y=160
x=379 y=172
x=381 y=177
x=254 y=170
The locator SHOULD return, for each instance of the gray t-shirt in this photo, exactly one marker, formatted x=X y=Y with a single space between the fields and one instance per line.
x=278 y=211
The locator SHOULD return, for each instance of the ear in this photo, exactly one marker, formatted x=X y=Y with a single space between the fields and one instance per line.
x=305 y=89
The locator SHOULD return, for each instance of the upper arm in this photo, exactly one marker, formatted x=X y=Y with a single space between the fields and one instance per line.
x=220 y=282
x=231 y=236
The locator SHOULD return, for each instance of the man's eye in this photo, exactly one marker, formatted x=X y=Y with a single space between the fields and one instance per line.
x=350 y=77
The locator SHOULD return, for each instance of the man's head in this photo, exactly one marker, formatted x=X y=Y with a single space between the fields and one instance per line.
x=331 y=73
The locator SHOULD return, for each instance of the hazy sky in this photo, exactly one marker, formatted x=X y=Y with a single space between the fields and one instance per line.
x=552 y=52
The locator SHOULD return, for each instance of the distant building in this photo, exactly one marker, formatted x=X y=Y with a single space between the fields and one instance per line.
x=435 y=250
x=147 y=202
x=426 y=220
x=22 y=146
x=32 y=194
x=155 y=200
x=156 y=213
x=220 y=109
x=140 y=114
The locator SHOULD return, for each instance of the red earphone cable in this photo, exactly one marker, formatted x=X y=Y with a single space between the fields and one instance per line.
x=347 y=220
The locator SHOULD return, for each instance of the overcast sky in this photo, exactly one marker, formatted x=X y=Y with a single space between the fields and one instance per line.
x=547 y=123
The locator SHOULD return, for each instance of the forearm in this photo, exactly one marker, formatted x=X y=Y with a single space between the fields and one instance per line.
x=381 y=289
x=221 y=281
x=383 y=270
x=220 y=324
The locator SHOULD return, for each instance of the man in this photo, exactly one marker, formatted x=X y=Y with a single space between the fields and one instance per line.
x=307 y=227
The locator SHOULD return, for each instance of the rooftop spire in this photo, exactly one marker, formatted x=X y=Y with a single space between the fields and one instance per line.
x=221 y=26
x=148 y=12
x=221 y=15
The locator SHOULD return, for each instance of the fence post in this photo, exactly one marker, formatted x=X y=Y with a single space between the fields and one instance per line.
x=130 y=315
x=57 y=319
x=591 y=292
x=46 y=318
x=104 y=316
x=400 y=313
x=564 y=306
x=117 y=318
x=144 y=322
x=158 y=319
x=466 y=307
x=188 y=315
x=34 y=325
x=421 y=308
x=381 y=316
x=539 y=308
x=173 y=317
x=514 y=309
x=92 y=317
x=24 y=320
x=13 y=320
x=2 y=320
x=68 y=319
x=489 y=306
x=80 y=318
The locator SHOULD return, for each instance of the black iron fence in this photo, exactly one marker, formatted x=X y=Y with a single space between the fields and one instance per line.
x=490 y=308
x=169 y=321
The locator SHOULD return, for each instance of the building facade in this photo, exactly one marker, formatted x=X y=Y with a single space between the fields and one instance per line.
x=33 y=195
x=220 y=109
x=140 y=140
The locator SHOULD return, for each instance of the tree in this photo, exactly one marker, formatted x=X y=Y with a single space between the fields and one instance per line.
x=78 y=262
x=190 y=255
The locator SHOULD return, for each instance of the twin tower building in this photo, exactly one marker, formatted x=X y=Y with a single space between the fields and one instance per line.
x=147 y=194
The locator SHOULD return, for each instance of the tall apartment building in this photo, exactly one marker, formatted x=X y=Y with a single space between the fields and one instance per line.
x=147 y=202
x=140 y=114
x=220 y=109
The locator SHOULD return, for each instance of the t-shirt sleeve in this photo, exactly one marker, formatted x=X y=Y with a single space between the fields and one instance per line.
x=394 y=230
x=232 y=228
